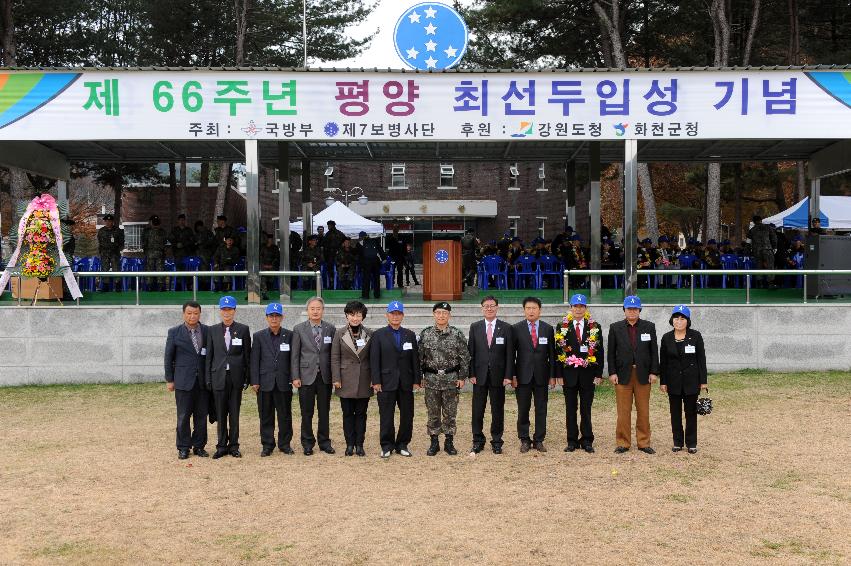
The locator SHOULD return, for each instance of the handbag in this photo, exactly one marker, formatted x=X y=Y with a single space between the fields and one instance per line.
x=704 y=404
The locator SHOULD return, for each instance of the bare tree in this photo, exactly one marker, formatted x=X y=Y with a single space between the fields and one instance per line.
x=8 y=51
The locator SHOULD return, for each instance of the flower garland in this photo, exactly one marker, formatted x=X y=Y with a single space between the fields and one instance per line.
x=567 y=356
x=38 y=234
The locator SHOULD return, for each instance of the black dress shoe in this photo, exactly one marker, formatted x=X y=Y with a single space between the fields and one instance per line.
x=308 y=451
x=328 y=449
x=676 y=448
x=182 y=454
x=539 y=446
x=570 y=448
x=219 y=454
x=236 y=453
x=359 y=451
x=265 y=452
x=286 y=450
x=692 y=450
x=477 y=448
x=200 y=452
x=621 y=450
x=350 y=450
x=647 y=450
x=525 y=445
x=497 y=449
x=590 y=449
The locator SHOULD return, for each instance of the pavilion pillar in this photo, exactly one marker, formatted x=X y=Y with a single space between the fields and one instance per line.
x=306 y=203
x=570 y=203
x=594 y=212
x=283 y=178
x=815 y=200
x=630 y=216
x=252 y=197
x=62 y=191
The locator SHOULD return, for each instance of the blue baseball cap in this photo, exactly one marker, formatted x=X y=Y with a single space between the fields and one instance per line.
x=663 y=239
x=632 y=302
x=683 y=310
x=275 y=308
x=578 y=299
x=395 y=306
x=227 y=302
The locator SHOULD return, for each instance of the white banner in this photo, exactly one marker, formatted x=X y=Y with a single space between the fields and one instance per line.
x=341 y=106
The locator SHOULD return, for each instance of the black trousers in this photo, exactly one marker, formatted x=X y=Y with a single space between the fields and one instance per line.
x=410 y=272
x=387 y=403
x=524 y=394
x=228 y=402
x=370 y=279
x=192 y=404
x=480 y=401
x=687 y=403
x=580 y=397
x=354 y=420
x=399 y=269
x=316 y=396
x=270 y=403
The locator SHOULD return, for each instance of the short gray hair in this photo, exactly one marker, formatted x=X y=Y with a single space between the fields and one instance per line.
x=313 y=299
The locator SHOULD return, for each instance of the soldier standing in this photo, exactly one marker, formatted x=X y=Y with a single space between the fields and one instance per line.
x=182 y=241
x=347 y=257
x=110 y=244
x=153 y=243
x=311 y=258
x=444 y=361
x=468 y=257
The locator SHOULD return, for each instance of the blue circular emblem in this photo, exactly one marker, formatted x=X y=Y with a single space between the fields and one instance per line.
x=430 y=35
x=442 y=256
x=332 y=129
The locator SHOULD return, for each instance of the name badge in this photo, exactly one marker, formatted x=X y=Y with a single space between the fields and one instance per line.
x=583 y=349
x=407 y=346
x=203 y=351
x=690 y=349
x=542 y=340
x=285 y=347
x=360 y=342
x=236 y=342
x=327 y=340
x=500 y=340
x=112 y=239
x=645 y=338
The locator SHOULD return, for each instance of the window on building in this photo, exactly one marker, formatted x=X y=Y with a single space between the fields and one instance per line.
x=133 y=235
x=514 y=226
x=514 y=177
x=330 y=180
x=397 y=175
x=447 y=175
x=542 y=176
x=542 y=227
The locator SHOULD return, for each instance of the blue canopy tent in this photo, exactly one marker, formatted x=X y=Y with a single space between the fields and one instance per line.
x=835 y=213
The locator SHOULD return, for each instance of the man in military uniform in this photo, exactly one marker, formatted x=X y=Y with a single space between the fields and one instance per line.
x=444 y=361
x=110 y=244
x=347 y=258
x=468 y=257
x=712 y=260
x=311 y=259
x=764 y=244
x=331 y=244
x=182 y=241
x=153 y=243
x=226 y=259
x=222 y=231
x=270 y=259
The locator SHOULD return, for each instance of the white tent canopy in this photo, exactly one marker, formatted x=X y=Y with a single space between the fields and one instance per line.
x=348 y=221
x=835 y=213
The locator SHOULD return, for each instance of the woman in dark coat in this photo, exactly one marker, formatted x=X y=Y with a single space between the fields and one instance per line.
x=350 y=375
x=682 y=360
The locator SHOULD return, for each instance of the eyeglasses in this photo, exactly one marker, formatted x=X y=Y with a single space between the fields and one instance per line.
x=488 y=306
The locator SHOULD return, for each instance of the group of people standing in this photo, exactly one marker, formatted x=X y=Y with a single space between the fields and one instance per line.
x=208 y=368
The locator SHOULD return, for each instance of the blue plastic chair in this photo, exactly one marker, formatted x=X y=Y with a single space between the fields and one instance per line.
x=687 y=261
x=493 y=266
x=190 y=263
x=550 y=266
x=798 y=258
x=238 y=283
x=729 y=261
x=387 y=271
x=170 y=265
x=526 y=267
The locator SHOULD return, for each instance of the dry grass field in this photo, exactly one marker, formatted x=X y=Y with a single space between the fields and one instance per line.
x=89 y=475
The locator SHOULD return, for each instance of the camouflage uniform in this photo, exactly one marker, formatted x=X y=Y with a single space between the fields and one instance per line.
x=153 y=243
x=311 y=258
x=226 y=259
x=183 y=243
x=270 y=259
x=110 y=244
x=442 y=350
x=347 y=258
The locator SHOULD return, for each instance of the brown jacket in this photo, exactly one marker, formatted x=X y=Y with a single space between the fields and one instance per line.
x=349 y=367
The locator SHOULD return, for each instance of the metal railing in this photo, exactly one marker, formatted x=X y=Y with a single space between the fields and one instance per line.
x=317 y=275
x=748 y=273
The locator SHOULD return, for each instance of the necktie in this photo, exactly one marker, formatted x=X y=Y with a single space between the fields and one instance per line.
x=227 y=337
x=194 y=334
x=490 y=333
x=578 y=332
x=533 y=329
x=317 y=336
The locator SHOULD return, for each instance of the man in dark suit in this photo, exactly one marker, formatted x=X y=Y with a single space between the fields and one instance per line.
x=310 y=366
x=270 y=379
x=633 y=359
x=491 y=345
x=184 y=375
x=371 y=256
x=394 y=361
x=228 y=373
x=581 y=372
x=534 y=372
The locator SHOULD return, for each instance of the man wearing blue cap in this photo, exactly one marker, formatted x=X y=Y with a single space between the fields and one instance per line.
x=581 y=371
x=633 y=360
x=227 y=369
x=395 y=366
x=271 y=381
